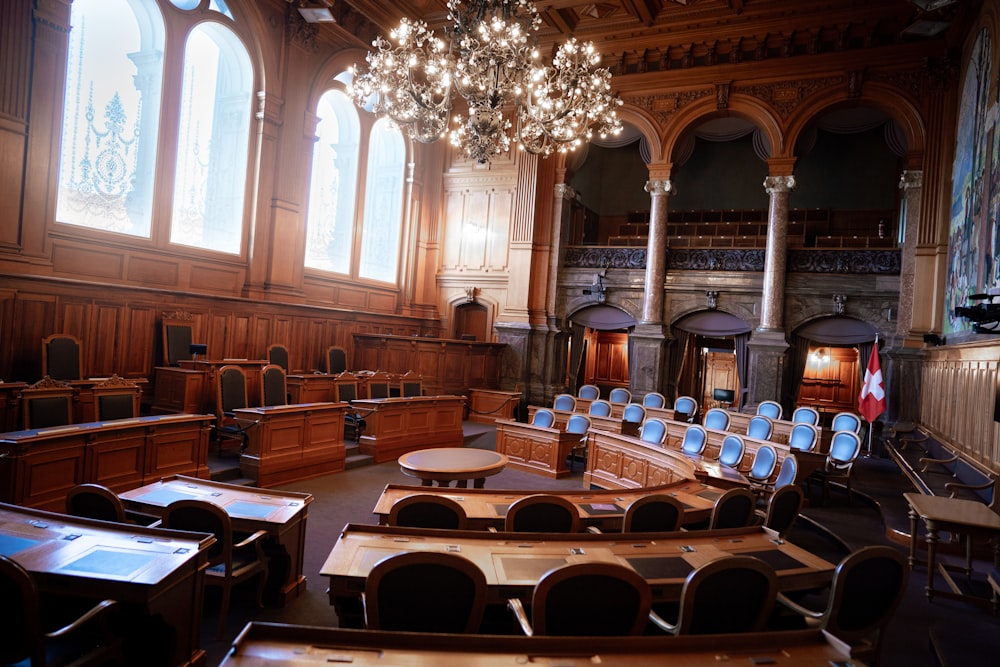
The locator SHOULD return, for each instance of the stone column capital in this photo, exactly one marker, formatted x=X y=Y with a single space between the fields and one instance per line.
x=779 y=184
x=563 y=191
x=911 y=179
x=663 y=187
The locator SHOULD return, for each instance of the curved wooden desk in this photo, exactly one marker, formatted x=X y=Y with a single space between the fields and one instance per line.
x=445 y=464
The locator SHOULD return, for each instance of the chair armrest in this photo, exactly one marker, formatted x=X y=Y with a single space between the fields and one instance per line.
x=905 y=440
x=98 y=610
x=516 y=606
x=595 y=530
x=662 y=623
x=491 y=529
x=956 y=486
x=799 y=609
x=250 y=539
x=926 y=461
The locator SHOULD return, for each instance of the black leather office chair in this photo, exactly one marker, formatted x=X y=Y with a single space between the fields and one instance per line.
x=278 y=354
x=425 y=591
x=427 y=510
x=178 y=334
x=542 y=513
x=336 y=360
x=656 y=512
x=273 y=389
x=46 y=404
x=116 y=398
x=734 y=509
x=586 y=600
x=62 y=357
x=90 y=639
x=231 y=395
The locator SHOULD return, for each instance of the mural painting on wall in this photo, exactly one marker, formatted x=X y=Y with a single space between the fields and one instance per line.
x=973 y=235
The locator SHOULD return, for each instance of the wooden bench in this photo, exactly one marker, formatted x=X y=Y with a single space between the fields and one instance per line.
x=940 y=469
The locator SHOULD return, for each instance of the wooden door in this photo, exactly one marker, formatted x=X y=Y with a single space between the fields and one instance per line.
x=720 y=373
x=607 y=360
x=471 y=322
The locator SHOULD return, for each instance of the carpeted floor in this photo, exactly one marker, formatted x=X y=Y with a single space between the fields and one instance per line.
x=969 y=636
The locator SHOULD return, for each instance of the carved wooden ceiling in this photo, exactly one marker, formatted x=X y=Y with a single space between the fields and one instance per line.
x=624 y=29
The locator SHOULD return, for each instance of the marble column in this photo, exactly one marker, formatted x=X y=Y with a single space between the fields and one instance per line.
x=648 y=362
x=767 y=346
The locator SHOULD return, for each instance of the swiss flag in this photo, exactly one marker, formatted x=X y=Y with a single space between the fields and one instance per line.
x=871 y=402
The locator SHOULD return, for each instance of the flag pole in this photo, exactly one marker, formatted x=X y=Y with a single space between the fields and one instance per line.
x=868 y=454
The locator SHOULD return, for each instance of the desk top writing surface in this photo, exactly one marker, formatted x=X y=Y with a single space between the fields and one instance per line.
x=260 y=508
x=301 y=646
x=514 y=562
x=85 y=427
x=603 y=507
x=92 y=553
x=271 y=410
x=956 y=511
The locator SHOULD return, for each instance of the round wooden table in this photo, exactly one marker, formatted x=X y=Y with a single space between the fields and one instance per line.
x=446 y=464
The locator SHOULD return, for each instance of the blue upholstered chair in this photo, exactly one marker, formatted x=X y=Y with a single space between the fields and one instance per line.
x=805 y=415
x=600 y=408
x=579 y=425
x=765 y=460
x=760 y=427
x=653 y=431
x=620 y=395
x=654 y=399
x=685 y=409
x=731 y=452
x=770 y=409
x=695 y=439
x=634 y=413
x=544 y=418
x=846 y=421
x=564 y=402
x=589 y=392
x=803 y=437
x=716 y=418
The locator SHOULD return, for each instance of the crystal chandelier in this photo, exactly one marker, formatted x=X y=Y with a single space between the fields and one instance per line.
x=489 y=57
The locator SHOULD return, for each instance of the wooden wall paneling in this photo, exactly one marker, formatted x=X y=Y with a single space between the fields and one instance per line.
x=239 y=338
x=476 y=373
x=216 y=336
x=455 y=366
x=316 y=345
x=398 y=356
x=8 y=303
x=117 y=460
x=261 y=326
x=100 y=349
x=426 y=362
x=34 y=319
x=137 y=335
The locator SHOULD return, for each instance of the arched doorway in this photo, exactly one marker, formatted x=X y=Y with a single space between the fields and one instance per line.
x=471 y=322
x=709 y=354
x=599 y=349
x=824 y=366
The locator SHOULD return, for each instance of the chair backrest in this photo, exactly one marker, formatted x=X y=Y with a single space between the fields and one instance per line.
x=803 y=437
x=844 y=449
x=600 y=408
x=94 y=501
x=733 y=509
x=653 y=431
x=765 y=460
x=867 y=587
x=62 y=357
x=21 y=636
x=347 y=387
x=273 y=391
x=177 y=338
x=411 y=384
x=787 y=472
x=425 y=591
x=707 y=597
x=634 y=413
x=578 y=424
x=760 y=427
x=541 y=513
x=201 y=516
x=336 y=360
x=564 y=402
x=654 y=399
x=783 y=508
x=656 y=512
x=378 y=385
x=805 y=415
x=620 y=395
x=232 y=389
x=278 y=354
x=685 y=408
x=770 y=409
x=732 y=450
x=544 y=418
x=46 y=404
x=716 y=418
x=590 y=599
x=589 y=392
x=427 y=510
x=116 y=398
x=695 y=439
x=846 y=421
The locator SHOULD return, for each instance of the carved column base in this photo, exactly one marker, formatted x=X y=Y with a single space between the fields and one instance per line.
x=766 y=370
x=532 y=360
x=647 y=367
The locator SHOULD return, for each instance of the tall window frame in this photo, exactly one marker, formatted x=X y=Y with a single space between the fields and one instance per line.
x=119 y=154
x=376 y=233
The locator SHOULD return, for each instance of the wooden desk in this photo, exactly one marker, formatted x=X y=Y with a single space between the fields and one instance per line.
x=282 y=514
x=969 y=518
x=604 y=509
x=488 y=405
x=292 y=442
x=210 y=369
x=616 y=461
x=536 y=449
x=395 y=426
x=156 y=574
x=445 y=465
x=302 y=646
x=311 y=388
x=612 y=424
x=514 y=562
x=781 y=431
x=38 y=467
